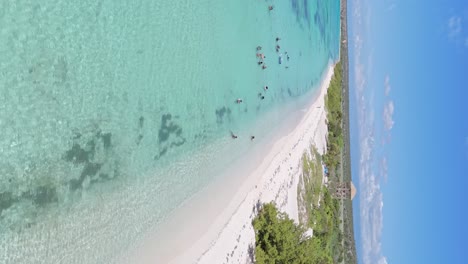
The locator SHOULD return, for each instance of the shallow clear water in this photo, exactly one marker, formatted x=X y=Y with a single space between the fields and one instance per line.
x=114 y=112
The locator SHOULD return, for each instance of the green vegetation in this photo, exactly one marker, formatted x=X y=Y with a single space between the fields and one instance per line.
x=321 y=212
x=348 y=231
x=326 y=226
x=311 y=180
x=350 y=256
x=333 y=103
x=280 y=241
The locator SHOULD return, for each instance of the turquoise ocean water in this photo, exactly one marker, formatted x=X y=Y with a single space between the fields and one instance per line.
x=113 y=113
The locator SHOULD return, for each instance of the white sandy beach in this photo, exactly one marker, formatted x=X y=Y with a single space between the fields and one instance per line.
x=221 y=230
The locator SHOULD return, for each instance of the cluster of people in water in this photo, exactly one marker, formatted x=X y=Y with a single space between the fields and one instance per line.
x=261 y=62
x=234 y=136
x=261 y=57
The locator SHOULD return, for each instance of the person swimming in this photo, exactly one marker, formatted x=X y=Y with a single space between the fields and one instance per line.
x=259 y=47
x=233 y=135
x=264 y=66
x=252 y=137
x=265 y=88
x=278 y=39
x=270 y=7
x=239 y=100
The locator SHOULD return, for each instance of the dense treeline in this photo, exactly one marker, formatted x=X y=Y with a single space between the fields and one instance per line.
x=348 y=227
x=326 y=226
x=333 y=102
x=279 y=240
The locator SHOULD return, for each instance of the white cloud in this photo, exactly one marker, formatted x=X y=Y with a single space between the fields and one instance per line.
x=371 y=205
x=359 y=72
x=370 y=195
x=387 y=85
x=454 y=26
x=388 y=115
x=382 y=260
x=384 y=168
x=359 y=69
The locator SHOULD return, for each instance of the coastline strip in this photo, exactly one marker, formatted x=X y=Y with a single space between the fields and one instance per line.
x=215 y=226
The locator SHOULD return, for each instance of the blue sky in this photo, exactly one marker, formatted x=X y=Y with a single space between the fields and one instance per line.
x=409 y=129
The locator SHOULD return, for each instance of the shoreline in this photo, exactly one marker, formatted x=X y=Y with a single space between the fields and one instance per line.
x=215 y=225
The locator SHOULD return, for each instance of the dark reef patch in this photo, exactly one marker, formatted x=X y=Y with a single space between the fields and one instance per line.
x=167 y=128
x=91 y=169
x=90 y=159
x=221 y=113
x=42 y=196
x=106 y=140
x=178 y=143
x=302 y=11
x=319 y=20
x=201 y=136
x=139 y=138
x=85 y=156
x=162 y=152
x=141 y=122
x=6 y=201
x=104 y=176
x=169 y=135
x=306 y=11
x=75 y=184
x=77 y=154
x=77 y=135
